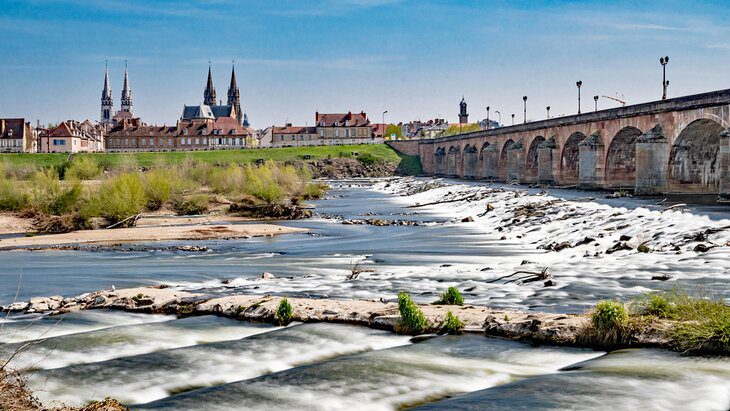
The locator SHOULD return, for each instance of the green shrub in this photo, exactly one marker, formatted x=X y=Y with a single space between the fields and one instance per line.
x=609 y=315
x=160 y=185
x=312 y=191
x=657 y=305
x=120 y=197
x=83 y=168
x=283 y=314
x=192 y=205
x=67 y=200
x=260 y=183
x=452 y=324
x=700 y=324
x=12 y=196
x=451 y=296
x=50 y=196
x=412 y=320
x=368 y=159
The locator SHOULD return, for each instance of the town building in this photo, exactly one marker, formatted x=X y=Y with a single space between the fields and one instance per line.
x=294 y=136
x=329 y=130
x=17 y=136
x=348 y=128
x=72 y=136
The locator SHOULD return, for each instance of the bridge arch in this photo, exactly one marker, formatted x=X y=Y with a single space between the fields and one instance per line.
x=531 y=162
x=470 y=161
x=503 y=158
x=694 y=160
x=621 y=158
x=452 y=160
x=490 y=160
x=439 y=161
x=570 y=158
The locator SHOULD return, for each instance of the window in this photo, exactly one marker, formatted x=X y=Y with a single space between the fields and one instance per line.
x=321 y=133
x=126 y=142
x=185 y=131
x=347 y=132
x=59 y=142
x=205 y=141
x=190 y=141
x=197 y=140
x=337 y=133
x=293 y=138
x=182 y=141
x=169 y=142
x=144 y=141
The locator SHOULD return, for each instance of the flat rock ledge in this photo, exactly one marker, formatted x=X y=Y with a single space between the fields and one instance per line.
x=533 y=327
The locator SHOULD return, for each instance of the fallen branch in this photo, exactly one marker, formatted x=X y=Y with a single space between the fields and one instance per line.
x=445 y=201
x=134 y=219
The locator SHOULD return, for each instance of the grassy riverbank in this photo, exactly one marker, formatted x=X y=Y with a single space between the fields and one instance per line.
x=376 y=152
x=83 y=194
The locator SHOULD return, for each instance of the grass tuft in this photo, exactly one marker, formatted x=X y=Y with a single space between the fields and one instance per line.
x=451 y=296
x=284 y=311
x=412 y=319
x=452 y=324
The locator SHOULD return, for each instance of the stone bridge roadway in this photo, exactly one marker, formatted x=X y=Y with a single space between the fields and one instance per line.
x=678 y=146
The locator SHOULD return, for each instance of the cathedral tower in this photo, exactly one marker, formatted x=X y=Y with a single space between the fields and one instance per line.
x=107 y=104
x=209 y=93
x=234 y=96
x=126 y=92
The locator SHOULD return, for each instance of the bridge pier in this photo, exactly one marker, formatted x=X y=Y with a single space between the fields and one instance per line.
x=652 y=158
x=590 y=164
x=545 y=161
x=516 y=162
x=724 y=170
x=490 y=162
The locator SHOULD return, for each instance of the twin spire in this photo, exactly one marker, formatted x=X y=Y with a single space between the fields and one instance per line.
x=107 y=104
x=234 y=95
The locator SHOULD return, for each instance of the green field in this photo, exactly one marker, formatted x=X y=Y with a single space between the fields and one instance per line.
x=409 y=165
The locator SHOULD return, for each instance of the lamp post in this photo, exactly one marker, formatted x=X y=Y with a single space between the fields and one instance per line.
x=595 y=99
x=524 y=108
x=664 y=61
x=548 y=111
x=513 y=119
x=579 y=84
x=487 y=117
x=384 y=128
x=499 y=116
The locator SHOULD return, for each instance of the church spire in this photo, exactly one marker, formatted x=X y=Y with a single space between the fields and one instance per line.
x=126 y=91
x=209 y=94
x=107 y=104
x=234 y=96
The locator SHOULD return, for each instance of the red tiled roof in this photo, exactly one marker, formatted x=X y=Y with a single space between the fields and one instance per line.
x=339 y=120
x=294 y=130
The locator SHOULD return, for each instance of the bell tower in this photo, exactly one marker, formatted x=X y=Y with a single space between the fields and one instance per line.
x=107 y=104
x=463 y=115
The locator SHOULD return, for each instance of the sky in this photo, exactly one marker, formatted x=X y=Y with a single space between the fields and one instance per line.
x=415 y=59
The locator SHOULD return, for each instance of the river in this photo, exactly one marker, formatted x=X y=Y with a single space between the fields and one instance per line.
x=160 y=362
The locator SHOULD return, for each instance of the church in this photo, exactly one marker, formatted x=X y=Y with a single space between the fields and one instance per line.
x=210 y=110
x=108 y=117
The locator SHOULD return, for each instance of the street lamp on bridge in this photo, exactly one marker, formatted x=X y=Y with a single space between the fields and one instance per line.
x=548 y=111
x=488 y=118
x=384 y=127
x=595 y=99
x=513 y=119
x=524 y=107
x=664 y=61
x=499 y=116
x=579 y=84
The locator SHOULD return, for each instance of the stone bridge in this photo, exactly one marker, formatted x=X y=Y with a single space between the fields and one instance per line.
x=674 y=146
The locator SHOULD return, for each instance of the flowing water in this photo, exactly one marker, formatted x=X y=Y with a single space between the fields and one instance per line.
x=160 y=362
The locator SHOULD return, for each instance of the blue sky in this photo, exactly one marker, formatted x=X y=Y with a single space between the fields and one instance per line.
x=413 y=58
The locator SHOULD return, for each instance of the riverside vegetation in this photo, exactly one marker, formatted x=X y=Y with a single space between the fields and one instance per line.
x=82 y=194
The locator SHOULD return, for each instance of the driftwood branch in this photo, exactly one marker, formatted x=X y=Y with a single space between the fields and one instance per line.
x=134 y=219
x=467 y=198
